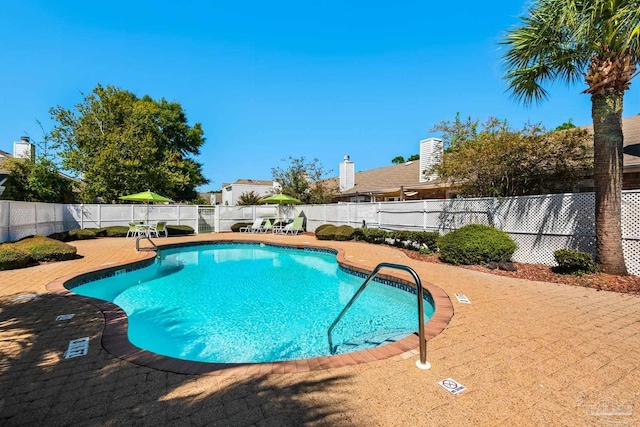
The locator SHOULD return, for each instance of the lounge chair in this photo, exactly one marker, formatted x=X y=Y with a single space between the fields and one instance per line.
x=159 y=228
x=257 y=224
x=294 y=227
x=268 y=226
x=133 y=229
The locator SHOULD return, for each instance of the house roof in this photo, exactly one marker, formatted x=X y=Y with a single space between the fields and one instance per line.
x=390 y=178
x=631 y=150
x=250 y=182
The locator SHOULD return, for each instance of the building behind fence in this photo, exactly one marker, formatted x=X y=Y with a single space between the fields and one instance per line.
x=539 y=224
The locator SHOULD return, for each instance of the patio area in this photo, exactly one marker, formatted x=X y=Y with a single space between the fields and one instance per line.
x=529 y=353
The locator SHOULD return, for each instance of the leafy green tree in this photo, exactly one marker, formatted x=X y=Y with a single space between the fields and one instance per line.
x=38 y=181
x=494 y=160
x=248 y=198
x=304 y=180
x=121 y=144
x=399 y=159
x=598 y=40
x=566 y=125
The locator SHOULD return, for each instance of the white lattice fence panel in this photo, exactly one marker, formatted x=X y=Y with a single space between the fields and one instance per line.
x=631 y=230
x=403 y=215
x=539 y=249
x=90 y=217
x=366 y=212
x=631 y=250
x=561 y=214
x=71 y=216
x=314 y=214
x=22 y=217
x=48 y=218
x=332 y=213
x=4 y=221
x=432 y=214
x=457 y=213
x=631 y=215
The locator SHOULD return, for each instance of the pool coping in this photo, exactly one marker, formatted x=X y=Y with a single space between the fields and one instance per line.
x=116 y=342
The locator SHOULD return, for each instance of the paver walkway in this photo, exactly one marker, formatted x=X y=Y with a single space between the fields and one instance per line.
x=529 y=353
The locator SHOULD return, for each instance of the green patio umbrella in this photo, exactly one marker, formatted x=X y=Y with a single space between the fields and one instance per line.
x=280 y=199
x=147 y=197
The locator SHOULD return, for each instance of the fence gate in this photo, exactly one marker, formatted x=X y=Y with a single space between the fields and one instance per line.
x=206 y=219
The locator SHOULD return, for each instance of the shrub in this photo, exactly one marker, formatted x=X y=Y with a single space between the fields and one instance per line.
x=400 y=238
x=179 y=230
x=115 y=231
x=44 y=249
x=99 y=232
x=344 y=233
x=321 y=227
x=326 y=232
x=574 y=262
x=62 y=236
x=358 y=234
x=374 y=235
x=81 y=234
x=426 y=239
x=13 y=257
x=236 y=227
x=476 y=244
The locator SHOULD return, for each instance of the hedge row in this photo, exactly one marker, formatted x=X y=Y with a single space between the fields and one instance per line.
x=34 y=249
x=414 y=240
x=113 y=231
x=471 y=244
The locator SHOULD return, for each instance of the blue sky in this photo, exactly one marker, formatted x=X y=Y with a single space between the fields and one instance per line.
x=268 y=80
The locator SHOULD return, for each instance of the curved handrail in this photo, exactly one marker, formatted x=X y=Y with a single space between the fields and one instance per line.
x=423 y=364
x=145 y=236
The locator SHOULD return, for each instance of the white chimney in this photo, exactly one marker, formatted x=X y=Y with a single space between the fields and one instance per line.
x=24 y=149
x=431 y=150
x=347 y=174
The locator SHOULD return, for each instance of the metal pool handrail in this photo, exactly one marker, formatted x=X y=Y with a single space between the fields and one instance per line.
x=145 y=236
x=422 y=363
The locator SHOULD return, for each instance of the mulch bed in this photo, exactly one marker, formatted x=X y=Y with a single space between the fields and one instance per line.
x=544 y=273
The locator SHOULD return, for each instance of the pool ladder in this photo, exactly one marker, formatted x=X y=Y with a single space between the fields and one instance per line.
x=422 y=363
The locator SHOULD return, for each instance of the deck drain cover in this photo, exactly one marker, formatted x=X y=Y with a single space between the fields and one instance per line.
x=452 y=386
x=463 y=298
x=25 y=297
x=79 y=347
x=64 y=317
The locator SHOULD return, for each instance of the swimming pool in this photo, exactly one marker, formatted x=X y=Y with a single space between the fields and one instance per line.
x=238 y=303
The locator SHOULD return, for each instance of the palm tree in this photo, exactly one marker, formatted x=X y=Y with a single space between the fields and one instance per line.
x=600 y=41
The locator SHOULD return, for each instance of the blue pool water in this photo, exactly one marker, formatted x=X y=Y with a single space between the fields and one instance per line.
x=232 y=303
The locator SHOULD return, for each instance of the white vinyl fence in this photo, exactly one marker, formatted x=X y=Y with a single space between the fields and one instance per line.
x=540 y=225
x=20 y=219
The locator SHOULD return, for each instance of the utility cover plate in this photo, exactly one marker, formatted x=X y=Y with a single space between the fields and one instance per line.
x=25 y=297
x=452 y=386
x=462 y=298
x=79 y=347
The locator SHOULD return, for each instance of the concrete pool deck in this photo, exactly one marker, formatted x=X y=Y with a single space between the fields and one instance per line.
x=529 y=353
